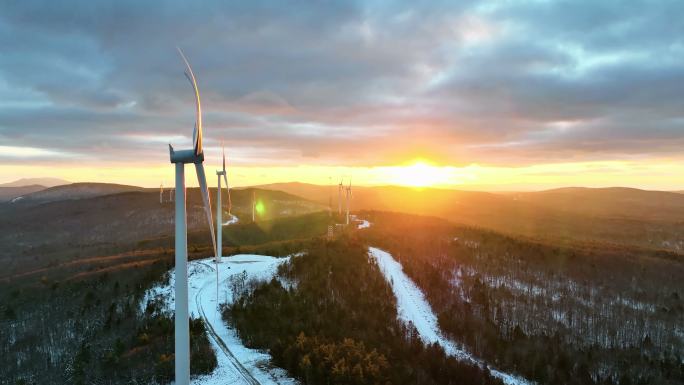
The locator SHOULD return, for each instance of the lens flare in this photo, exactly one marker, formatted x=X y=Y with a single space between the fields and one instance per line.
x=260 y=208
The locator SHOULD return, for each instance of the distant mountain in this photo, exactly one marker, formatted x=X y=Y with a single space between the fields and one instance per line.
x=7 y=194
x=615 y=202
x=46 y=182
x=78 y=191
x=112 y=221
x=653 y=219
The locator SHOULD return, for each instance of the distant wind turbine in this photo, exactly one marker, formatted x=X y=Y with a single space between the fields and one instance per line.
x=349 y=196
x=339 y=198
x=161 y=193
x=253 y=205
x=219 y=208
x=180 y=158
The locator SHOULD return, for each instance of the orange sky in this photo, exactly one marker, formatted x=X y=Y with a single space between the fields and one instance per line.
x=490 y=95
x=662 y=174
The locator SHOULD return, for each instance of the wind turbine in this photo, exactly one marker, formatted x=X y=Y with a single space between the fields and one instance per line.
x=219 y=208
x=253 y=205
x=349 y=195
x=180 y=158
x=161 y=193
x=339 y=198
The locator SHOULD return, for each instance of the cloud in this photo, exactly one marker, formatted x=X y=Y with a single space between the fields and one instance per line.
x=347 y=83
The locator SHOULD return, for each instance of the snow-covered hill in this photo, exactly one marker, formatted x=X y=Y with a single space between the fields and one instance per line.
x=237 y=364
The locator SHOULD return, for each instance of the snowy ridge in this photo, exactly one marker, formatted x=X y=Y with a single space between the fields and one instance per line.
x=413 y=307
x=237 y=364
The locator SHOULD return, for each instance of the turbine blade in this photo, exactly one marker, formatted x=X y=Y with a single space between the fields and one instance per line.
x=224 y=158
x=198 y=112
x=202 y=179
x=194 y=136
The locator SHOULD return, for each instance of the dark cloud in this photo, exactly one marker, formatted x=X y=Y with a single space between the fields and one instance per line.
x=346 y=82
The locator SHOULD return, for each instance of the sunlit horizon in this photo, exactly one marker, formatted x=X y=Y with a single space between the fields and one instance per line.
x=417 y=173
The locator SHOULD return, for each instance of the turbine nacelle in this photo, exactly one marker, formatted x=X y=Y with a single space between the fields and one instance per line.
x=185 y=156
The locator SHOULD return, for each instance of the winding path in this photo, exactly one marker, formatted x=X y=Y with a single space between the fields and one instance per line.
x=236 y=364
x=244 y=373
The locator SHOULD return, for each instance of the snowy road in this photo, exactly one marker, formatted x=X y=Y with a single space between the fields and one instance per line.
x=412 y=306
x=232 y=220
x=237 y=364
x=360 y=223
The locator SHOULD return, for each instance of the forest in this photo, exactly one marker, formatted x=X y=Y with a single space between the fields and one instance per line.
x=580 y=313
x=92 y=330
x=330 y=318
x=588 y=314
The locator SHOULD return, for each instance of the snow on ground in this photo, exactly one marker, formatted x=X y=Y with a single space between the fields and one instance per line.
x=237 y=364
x=360 y=223
x=232 y=220
x=412 y=306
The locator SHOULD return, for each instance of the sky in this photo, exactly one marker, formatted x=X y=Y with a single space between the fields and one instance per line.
x=490 y=95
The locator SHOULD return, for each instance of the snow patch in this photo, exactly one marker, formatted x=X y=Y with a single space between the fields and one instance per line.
x=237 y=364
x=413 y=307
x=231 y=221
x=364 y=224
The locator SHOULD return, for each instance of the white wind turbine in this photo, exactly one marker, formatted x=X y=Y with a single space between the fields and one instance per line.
x=180 y=158
x=339 y=198
x=219 y=208
x=253 y=205
x=329 y=196
x=348 y=191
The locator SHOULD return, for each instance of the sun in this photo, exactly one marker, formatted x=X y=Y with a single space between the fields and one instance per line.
x=421 y=173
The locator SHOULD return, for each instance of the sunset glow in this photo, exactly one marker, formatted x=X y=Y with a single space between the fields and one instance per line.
x=358 y=98
x=660 y=174
x=422 y=174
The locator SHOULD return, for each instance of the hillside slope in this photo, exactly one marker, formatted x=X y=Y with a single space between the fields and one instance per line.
x=47 y=182
x=618 y=202
x=645 y=218
x=78 y=191
x=36 y=234
x=7 y=194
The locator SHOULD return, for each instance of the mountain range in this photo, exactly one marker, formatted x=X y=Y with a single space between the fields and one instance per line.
x=619 y=215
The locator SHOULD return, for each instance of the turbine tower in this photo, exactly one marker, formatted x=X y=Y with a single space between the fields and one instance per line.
x=219 y=209
x=339 y=198
x=180 y=158
x=253 y=205
x=349 y=195
x=161 y=193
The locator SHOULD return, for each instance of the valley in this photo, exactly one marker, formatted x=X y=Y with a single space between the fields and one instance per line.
x=394 y=297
